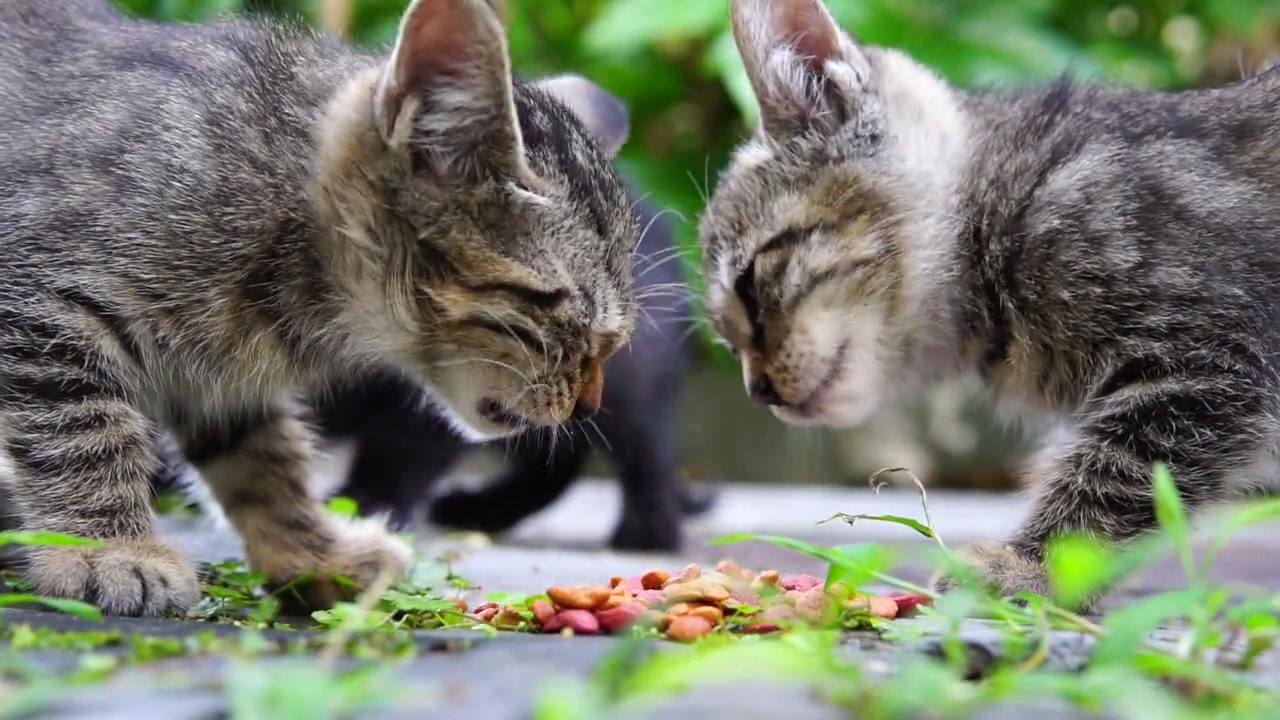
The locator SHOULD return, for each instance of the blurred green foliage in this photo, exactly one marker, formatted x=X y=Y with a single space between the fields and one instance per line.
x=675 y=64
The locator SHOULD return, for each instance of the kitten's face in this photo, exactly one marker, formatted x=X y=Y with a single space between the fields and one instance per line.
x=828 y=226
x=498 y=233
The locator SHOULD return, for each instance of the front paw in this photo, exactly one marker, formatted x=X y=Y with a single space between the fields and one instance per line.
x=648 y=532
x=1005 y=570
x=362 y=551
x=122 y=577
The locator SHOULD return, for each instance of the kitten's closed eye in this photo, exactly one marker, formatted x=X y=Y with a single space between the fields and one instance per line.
x=544 y=299
x=519 y=333
x=745 y=288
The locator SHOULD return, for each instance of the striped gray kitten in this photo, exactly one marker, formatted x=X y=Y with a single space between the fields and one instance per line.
x=1108 y=257
x=197 y=221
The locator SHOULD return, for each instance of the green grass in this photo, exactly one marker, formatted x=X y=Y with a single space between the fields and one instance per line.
x=1205 y=675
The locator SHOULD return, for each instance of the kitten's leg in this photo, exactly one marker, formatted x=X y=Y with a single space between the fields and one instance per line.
x=1100 y=483
x=258 y=471
x=81 y=461
x=652 y=514
x=537 y=475
x=400 y=454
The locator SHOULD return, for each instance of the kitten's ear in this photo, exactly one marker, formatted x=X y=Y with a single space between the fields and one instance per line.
x=447 y=90
x=803 y=68
x=604 y=115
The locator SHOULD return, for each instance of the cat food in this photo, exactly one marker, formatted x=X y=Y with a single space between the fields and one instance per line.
x=692 y=603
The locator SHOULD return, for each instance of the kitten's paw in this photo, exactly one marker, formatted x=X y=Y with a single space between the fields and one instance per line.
x=697 y=498
x=474 y=511
x=648 y=532
x=361 y=552
x=122 y=577
x=1007 y=570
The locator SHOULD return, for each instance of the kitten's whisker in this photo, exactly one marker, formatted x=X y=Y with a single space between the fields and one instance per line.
x=524 y=348
x=466 y=361
x=592 y=424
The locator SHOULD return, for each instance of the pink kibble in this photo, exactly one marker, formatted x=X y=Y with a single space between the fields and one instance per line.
x=760 y=628
x=581 y=622
x=651 y=597
x=799 y=582
x=543 y=611
x=618 y=618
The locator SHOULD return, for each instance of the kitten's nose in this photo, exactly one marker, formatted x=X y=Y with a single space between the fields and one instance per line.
x=763 y=392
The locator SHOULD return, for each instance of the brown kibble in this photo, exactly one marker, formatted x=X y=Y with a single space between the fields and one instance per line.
x=460 y=604
x=690 y=572
x=654 y=579
x=580 y=598
x=688 y=627
x=876 y=605
x=730 y=568
x=770 y=577
x=678 y=609
x=508 y=618
x=710 y=613
x=695 y=590
x=616 y=581
x=615 y=600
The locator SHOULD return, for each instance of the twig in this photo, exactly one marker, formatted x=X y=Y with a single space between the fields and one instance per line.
x=1037 y=658
x=877 y=484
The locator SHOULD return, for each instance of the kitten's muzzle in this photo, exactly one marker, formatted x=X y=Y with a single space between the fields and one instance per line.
x=761 y=389
x=494 y=412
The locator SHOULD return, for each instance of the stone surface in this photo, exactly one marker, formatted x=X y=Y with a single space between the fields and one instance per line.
x=461 y=674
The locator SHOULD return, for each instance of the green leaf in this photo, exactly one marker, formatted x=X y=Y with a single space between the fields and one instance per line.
x=1128 y=627
x=82 y=610
x=711 y=663
x=343 y=506
x=858 y=564
x=1173 y=518
x=1251 y=513
x=816 y=551
x=1078 y=567
x=629 y=25
x=39 y=537
x=912 y=523
x=418 y=603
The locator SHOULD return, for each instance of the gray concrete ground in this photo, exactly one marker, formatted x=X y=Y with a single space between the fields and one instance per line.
x=498 y=677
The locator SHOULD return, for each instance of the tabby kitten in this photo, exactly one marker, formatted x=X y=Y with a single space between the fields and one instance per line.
x=402 y=448
x=1107 y=256
x=198 y=221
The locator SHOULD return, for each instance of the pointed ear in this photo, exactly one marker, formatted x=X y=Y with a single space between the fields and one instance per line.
x=803 y=68
x=604 y=115
x=446 y=89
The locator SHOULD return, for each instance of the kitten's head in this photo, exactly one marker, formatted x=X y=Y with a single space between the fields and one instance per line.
x=484 y=236
x=832 y=224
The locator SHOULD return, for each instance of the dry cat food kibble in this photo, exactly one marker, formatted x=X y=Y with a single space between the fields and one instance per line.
x=691 y=604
